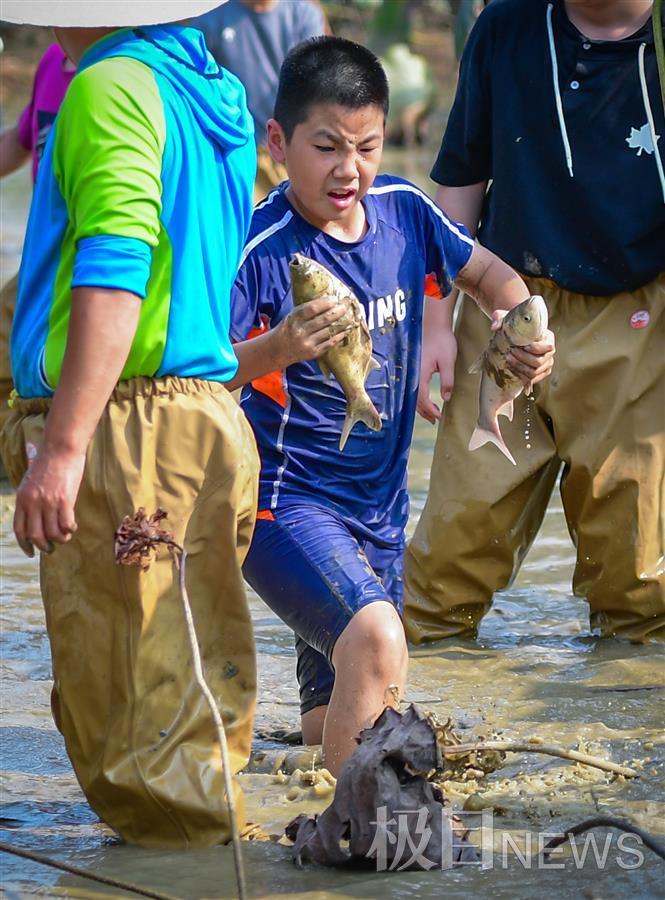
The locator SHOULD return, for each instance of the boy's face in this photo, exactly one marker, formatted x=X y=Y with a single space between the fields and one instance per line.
x=332 y=160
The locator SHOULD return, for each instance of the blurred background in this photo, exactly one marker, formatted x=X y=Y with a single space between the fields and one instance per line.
x=419 y=42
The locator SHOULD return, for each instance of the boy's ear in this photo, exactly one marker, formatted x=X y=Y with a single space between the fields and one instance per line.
x=276 y=140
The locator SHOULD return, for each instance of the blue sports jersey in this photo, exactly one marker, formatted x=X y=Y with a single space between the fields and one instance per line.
x=296 y=414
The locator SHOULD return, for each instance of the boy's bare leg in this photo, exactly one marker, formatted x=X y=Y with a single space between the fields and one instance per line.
x=370 y=661
x=312 y=725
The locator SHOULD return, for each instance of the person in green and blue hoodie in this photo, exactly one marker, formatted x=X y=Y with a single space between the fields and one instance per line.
x=120 y=353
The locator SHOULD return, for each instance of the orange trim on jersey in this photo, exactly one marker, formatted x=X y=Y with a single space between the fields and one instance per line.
x=271 y=384
x=432 y=288
x=265 y=514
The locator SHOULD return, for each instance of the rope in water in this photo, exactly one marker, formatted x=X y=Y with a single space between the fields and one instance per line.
x=83 y=873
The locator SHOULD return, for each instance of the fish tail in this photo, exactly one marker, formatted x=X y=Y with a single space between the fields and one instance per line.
x=482 y=436
x=361 y=411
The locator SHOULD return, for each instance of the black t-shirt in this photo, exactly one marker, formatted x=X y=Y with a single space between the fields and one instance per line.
x=577 y=190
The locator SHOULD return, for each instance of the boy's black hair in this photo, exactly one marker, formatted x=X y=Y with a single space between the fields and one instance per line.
x=328 y=70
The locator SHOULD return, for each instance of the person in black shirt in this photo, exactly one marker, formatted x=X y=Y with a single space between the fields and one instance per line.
x=554 y=154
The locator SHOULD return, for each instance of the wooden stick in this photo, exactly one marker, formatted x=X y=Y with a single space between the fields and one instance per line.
x=219 y=725
x=548 y=749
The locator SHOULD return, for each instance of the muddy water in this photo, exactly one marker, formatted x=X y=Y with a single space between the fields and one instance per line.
x=535 y=670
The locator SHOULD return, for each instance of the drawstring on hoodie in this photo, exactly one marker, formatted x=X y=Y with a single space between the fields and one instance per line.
x=649 y=112
x=557 y=93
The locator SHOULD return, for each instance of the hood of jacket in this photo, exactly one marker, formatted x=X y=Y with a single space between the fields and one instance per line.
x=179 y=54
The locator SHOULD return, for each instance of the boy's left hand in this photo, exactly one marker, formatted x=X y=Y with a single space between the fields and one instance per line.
x=532 y=363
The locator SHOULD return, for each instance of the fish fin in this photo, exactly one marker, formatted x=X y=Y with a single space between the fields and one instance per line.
x=325 y=370
x=371 y=365
x=362 y=412
x=482 y=436
x=507 y=410
x=477 y=366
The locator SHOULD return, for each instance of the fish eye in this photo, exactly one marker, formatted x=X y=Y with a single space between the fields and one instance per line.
x=527 y=318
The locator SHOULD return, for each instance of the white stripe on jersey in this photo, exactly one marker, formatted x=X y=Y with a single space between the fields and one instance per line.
x=267 y=199
x=412 y=189
x=264 y=235
x=277 y=483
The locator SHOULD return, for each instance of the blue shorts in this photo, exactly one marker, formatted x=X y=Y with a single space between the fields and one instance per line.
x=315 y=575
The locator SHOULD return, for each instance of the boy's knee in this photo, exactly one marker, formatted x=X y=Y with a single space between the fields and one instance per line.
x=376 y=636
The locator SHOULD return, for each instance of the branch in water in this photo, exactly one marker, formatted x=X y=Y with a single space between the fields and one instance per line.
x=548 y=749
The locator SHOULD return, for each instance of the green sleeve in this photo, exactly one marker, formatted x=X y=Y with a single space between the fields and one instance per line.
x=109 y=142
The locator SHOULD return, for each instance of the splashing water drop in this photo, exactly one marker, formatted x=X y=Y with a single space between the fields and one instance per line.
x=527 y=429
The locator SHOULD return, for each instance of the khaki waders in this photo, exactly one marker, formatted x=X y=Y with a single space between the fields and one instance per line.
x=602 y=412
x=137 y=729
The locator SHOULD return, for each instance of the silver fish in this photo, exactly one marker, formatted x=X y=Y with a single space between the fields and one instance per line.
x=350 y=361
x=499 y=387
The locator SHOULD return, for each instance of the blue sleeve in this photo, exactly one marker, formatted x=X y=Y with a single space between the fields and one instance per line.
x=465 y=156
x=257 y=299
x=245 y=312
x=448 y=245
x=114 y=263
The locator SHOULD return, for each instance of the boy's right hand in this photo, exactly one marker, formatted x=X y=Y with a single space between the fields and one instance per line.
x=439 y=353
x=311 y=329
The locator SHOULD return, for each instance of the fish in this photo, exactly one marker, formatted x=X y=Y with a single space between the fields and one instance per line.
x=499 y=387
x=351 y=360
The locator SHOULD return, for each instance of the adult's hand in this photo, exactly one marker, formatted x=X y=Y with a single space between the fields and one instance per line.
x=45 y=500
x=102 y=325
x=439 y=353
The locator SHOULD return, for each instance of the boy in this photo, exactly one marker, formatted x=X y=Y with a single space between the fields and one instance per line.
x=327 y=550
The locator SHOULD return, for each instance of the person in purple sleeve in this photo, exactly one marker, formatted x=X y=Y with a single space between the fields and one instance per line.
x=25 y=140
x=28 y=136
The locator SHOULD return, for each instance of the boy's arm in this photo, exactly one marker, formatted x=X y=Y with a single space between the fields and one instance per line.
x=497 y=288
x=101 y=331
x=439 y=346
x=305 y=333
